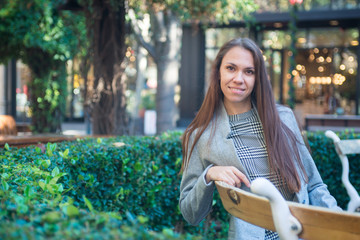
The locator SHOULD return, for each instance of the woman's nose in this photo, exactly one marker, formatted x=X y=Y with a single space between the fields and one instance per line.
x=239 y=77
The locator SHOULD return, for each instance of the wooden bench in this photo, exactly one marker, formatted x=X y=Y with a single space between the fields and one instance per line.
x=23 y=141
x=23 y=127
x=315 y=222
x=27 y=140
x=322 y=122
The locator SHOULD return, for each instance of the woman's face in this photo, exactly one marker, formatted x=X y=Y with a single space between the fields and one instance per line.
x=237 y=80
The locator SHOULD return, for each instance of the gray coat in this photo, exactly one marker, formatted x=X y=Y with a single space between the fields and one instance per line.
x=196 y=196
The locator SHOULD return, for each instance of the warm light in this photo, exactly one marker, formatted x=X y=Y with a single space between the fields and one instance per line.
x=342 y=67
x=278 y=25
x=351 y=58
x=290 y=53
x=321 y=69
x=351 y=71
x=132 y=59
x=327 y=80
x=339 y=79
x=311 y=57
x=294 y=72
x=312 y=80
x=328 y=59
x=316 y=50
x=320 y=59
x=334 y=23
x=302 y=40
x=298 y=67
x=354 y=43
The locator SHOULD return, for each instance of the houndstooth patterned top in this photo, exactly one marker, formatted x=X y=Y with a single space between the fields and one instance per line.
x=248 y=137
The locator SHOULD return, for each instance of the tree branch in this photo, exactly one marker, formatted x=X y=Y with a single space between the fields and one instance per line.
x=139 y=36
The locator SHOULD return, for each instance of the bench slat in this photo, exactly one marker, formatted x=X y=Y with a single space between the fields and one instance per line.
x=317 y=223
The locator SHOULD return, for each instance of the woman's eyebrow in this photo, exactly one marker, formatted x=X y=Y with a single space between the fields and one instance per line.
x=235 y=65
x=231 y=63
x=252 y=68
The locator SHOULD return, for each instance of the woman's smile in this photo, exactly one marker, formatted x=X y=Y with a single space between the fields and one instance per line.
x=237 y=90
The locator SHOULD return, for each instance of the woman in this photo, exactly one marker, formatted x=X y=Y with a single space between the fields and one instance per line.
x=240 y=134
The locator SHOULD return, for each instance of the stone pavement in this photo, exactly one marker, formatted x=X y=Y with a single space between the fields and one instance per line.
x=83 y=129
x=75 y=128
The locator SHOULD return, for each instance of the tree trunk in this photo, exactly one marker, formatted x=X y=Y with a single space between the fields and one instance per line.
x=167 y=48
x=121 y=118
x=167 y=78
x=141 y=65
x=108 y=100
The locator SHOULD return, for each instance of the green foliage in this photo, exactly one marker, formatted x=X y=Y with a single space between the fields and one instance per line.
x=329 y=164
x=37 y=24
x=44 y=38
x=48 y=101
x=196 y=11
x=293 y=52
x=89 y=187
x=148 y=100
x=95 y=187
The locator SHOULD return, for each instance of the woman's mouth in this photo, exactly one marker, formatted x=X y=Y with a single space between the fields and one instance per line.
x=237 y=90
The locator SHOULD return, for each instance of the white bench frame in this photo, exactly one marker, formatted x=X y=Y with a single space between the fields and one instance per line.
x=287 y=226
x=343 y=148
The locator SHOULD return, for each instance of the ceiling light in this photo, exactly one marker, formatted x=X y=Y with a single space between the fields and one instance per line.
x=278 y=25
x=334 y=23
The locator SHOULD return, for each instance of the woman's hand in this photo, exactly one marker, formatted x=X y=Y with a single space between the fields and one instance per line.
x=230 y=175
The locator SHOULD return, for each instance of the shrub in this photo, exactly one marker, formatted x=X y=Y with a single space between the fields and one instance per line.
x=93 y=188
x=89 y=186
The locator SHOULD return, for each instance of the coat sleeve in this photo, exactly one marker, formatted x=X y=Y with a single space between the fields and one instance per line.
x=195 y=195
x=316 y=192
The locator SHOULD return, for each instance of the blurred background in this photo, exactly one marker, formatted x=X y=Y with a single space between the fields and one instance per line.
x=141 y=67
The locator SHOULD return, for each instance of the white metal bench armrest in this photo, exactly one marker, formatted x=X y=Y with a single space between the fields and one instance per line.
x=287 y=226
x=343 y=148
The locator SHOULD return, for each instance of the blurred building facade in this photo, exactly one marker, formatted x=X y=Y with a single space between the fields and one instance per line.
x=15 y=77
x=328 y=54
x=327 y=59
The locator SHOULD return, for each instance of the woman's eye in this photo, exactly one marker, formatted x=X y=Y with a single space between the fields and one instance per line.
x=231 y=68
x=250 y=72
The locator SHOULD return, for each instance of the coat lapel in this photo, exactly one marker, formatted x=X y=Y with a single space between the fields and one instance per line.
x=224 y=147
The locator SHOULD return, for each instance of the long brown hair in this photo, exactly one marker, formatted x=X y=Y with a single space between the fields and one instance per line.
x=280 y=140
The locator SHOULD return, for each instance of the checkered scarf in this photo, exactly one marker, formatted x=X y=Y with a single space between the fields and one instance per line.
x=248 y=137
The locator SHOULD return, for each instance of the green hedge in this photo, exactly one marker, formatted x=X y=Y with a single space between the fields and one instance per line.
x=91 y=186
x=119 y=188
